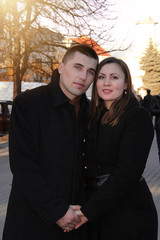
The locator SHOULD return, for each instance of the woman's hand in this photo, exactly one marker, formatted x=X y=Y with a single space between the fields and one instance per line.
x=82 y=218
x=75 y=207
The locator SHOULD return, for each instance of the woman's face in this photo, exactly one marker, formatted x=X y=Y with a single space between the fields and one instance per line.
x=110 y=83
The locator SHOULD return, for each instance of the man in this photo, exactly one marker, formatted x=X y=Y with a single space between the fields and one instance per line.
x=148 y=101
x=47 y=131
x=153 y=106
x=156 y=112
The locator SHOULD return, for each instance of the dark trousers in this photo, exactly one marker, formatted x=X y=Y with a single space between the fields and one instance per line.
x=158 y=142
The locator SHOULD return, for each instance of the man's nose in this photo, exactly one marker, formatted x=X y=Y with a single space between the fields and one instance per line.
x=84 y=75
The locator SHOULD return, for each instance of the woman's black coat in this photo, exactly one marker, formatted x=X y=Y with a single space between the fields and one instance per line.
x=123 y=207
x=45 y=146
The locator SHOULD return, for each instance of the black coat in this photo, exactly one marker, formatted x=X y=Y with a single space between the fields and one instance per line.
x=155 y=111
x=123 y=205
x=148 y=102
x=45 y=148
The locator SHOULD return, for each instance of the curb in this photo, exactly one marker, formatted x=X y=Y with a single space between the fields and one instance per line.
x=3 y=145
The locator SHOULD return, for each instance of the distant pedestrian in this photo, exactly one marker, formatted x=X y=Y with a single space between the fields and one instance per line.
x=139 y=98
x=155 y=111
x=148 y=101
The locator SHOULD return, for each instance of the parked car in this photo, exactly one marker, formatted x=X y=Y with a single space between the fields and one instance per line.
x=5 y=114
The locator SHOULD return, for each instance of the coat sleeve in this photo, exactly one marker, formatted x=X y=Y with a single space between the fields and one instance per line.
x=134 y=149
x=24 y=153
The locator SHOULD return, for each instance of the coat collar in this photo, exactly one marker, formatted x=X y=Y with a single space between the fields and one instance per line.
x=132 y=103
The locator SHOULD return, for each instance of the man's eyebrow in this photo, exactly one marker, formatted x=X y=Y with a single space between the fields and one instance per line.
x=93 y=69
x=81 y=65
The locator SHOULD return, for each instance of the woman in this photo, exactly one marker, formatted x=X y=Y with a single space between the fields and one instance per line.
x=120 y=205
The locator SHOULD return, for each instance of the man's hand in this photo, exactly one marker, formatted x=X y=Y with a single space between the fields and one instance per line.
x=69 y=220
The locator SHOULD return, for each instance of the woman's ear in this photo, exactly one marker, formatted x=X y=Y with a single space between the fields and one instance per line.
x=125 y=86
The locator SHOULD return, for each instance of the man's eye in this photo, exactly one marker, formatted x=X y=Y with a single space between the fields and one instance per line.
x=78 y=67
x=91 y=72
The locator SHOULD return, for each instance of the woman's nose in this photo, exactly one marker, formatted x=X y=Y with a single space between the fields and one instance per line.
x=107 y=81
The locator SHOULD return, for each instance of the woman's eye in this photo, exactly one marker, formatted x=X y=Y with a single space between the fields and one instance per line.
x=114 y=77
x=100 y=77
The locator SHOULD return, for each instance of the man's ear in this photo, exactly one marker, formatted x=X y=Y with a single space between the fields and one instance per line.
x=60 y=67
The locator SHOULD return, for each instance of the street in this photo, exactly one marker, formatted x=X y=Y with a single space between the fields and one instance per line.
x=151 y=174
x=5 y=183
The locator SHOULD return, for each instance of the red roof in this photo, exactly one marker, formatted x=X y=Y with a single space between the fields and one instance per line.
x=89 y=41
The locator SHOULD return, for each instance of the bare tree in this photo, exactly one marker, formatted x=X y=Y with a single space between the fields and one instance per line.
x=35 y=29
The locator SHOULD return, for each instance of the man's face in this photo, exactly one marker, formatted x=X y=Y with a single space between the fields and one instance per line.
x=76 y=74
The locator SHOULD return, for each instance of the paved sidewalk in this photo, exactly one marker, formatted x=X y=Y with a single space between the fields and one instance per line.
x=152 y=175
x=5 y=182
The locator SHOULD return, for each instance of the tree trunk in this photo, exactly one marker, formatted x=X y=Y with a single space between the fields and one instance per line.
x=16 y=52
x=16 y=87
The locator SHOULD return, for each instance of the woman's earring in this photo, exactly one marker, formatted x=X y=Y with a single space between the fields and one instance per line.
x=125 y=92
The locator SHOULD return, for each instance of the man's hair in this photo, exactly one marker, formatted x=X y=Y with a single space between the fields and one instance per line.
x=82 y=48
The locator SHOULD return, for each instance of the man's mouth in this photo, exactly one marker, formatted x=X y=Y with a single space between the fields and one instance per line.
x=79 y=85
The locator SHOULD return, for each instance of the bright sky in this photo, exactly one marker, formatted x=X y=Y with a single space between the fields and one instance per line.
x=129 y=12
x=137 y=9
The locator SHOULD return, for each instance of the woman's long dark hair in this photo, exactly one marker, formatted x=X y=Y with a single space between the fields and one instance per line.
x=117 y=107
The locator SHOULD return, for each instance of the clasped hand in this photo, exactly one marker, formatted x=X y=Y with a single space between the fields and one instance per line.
x=73 y=219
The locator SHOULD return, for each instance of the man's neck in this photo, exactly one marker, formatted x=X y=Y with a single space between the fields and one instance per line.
x=76 y=103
